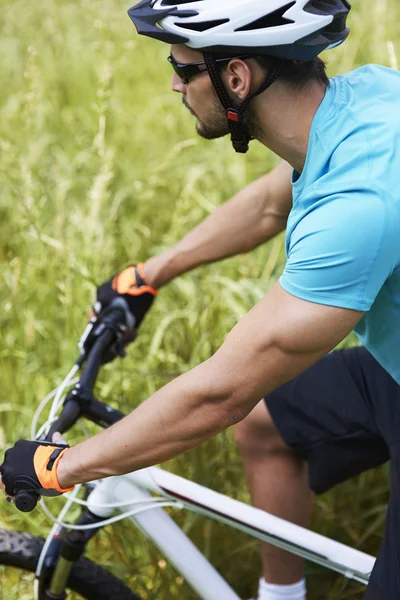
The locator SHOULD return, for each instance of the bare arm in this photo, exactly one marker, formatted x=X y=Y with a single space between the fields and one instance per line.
x=253 y=216
x=279 y=338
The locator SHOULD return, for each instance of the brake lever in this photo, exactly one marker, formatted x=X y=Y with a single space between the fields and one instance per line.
x=116 y=316
x=86 y=334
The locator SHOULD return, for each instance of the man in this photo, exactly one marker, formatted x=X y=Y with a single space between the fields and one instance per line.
x=250 y=68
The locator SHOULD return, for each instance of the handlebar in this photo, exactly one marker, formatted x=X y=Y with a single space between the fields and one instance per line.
x=106 y=331
x=26 y=501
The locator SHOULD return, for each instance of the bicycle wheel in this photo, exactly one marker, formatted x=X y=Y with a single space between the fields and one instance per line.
x=22 y=551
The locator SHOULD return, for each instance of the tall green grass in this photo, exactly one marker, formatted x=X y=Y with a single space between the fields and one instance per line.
x=100 y=166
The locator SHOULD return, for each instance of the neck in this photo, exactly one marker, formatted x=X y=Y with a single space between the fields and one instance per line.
x=284 y=121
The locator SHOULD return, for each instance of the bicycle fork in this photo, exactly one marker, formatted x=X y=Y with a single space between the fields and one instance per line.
x=65 y=549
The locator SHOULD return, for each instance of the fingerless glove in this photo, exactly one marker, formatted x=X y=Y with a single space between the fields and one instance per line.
x=32 y=467
x=131 y=285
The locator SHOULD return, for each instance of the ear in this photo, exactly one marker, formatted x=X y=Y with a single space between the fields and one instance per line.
x=237 y=78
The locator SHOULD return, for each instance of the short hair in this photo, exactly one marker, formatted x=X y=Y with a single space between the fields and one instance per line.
x=297 y=74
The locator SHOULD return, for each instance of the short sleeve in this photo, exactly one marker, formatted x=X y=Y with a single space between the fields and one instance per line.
x=339 y=251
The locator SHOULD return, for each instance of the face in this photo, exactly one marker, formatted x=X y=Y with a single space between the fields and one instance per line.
x=199 y=96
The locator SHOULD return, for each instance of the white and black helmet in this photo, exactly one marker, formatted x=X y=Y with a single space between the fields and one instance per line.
x=292 y=30
x=287 y=30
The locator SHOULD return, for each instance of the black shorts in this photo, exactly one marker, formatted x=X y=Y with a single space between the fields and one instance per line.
x=343 y=417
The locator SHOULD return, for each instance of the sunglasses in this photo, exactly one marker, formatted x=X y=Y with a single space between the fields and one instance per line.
x=186 y=71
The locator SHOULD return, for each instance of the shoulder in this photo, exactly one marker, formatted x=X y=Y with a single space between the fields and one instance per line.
x=341 y=249
x=361 y=223
x=369 y=74
x=326 y=210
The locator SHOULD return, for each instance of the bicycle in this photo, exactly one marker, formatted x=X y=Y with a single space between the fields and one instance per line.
x=59 y=563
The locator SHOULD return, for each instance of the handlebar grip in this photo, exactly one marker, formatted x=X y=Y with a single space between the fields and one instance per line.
x=26 y=501
x=118 y=313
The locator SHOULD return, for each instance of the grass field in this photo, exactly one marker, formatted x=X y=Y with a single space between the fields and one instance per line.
x=100 y=166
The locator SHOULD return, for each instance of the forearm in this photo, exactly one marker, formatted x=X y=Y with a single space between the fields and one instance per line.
x=183 y=414
x=188 y=411
x=238 y=226
x=278 y=339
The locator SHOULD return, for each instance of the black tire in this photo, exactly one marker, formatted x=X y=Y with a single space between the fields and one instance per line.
x=22 y=551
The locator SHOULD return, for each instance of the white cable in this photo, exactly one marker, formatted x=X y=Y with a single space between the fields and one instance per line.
x=58 y=400
x=58 y=395
x=39 y=411
x=47 y=543
x=125 y=515
x=40 y=408
x=53 y=411
x=116 y=504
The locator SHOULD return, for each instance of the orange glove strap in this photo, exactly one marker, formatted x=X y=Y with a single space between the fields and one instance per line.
x=48 y=479
x=125 y=282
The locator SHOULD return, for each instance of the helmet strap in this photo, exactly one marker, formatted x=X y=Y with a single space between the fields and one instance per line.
x=239 y=133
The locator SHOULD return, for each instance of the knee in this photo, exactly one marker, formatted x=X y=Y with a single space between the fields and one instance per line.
x=257 y=434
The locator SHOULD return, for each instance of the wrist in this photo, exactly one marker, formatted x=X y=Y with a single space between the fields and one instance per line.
x=63 y=472
x=157 y=271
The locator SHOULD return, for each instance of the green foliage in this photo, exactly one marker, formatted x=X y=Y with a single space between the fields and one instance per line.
x=100 y=166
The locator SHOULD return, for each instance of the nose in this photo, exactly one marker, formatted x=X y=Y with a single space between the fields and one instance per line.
x=177 y=84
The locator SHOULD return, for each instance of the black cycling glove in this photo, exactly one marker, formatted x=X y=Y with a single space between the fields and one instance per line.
x=131 y=285
x=31 y=467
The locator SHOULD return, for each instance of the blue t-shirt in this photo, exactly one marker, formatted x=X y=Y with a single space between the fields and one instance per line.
x=343 y=233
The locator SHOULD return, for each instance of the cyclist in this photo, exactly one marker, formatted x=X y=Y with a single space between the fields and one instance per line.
x=251 y=68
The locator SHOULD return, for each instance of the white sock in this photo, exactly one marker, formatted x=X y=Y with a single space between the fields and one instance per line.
x=272 y=591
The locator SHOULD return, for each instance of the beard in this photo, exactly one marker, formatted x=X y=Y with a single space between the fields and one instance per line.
x=216 y=125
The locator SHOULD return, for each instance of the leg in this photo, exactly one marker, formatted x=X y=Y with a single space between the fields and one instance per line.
x=277 y=479
x=332 y=416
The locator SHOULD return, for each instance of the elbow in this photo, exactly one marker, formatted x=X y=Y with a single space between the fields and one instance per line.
x=236 y=413
x=229 y=397
x=231 y=412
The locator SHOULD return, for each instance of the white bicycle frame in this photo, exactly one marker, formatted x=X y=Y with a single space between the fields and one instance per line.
x=186 y=558
x=133 y=494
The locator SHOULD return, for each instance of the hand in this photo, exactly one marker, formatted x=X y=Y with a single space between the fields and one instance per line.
x=131 y=285
x=31 y=467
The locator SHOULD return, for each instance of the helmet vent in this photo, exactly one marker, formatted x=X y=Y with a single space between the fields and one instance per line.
x=325 y=7
x=274 y=19
x=176 y=2
x=339 y=9
x=204 y=26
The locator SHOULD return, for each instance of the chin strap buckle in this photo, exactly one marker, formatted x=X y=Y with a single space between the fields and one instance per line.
x=239 y=136
x=233 y=115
